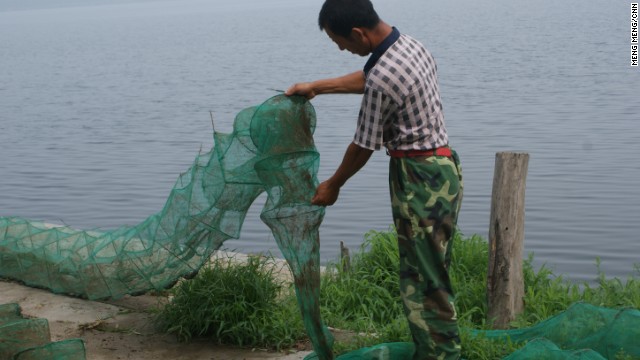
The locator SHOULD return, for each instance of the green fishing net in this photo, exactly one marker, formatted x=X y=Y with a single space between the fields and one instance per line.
x=271 y=149
x=582 y=332
x=29 y=339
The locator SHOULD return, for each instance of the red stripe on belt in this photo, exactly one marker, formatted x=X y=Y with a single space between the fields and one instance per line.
x=442 y=151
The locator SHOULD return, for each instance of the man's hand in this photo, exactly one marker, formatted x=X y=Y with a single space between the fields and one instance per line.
x=304 y=89
x=326 y=194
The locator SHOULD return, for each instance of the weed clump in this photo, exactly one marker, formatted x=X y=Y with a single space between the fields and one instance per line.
x=235 y=303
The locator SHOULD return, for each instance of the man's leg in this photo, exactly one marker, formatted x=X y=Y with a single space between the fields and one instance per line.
x=426 y=195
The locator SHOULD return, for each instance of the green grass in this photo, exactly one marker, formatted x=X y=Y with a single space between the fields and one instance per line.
x=243 y=304
x=235 y=303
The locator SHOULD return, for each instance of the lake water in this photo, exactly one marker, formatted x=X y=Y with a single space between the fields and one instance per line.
x=102 y=106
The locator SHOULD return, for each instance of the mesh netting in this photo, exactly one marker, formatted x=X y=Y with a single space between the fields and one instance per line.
x=18 y=333
x=72 y=349
x=582 y=332
x=270 y=150
x=29 y=339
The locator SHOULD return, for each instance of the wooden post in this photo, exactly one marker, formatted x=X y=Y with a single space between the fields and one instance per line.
x=505 y=281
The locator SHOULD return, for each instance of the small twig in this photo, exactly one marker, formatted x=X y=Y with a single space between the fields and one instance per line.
x=91 y=326
x=212 y=125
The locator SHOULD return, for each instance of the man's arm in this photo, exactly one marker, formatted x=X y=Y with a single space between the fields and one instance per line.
x=354 y=159
x=348 y=84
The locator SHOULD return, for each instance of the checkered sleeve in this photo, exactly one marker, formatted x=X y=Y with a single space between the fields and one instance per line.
x=375 y=115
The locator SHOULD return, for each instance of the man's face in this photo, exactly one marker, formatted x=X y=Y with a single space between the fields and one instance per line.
x=356 y=43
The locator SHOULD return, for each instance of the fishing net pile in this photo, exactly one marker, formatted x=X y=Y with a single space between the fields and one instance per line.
x=582 y=332
x=29 y=339
x=271 y=149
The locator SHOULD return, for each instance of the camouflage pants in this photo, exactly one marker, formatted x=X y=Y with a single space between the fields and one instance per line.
x=426 y=194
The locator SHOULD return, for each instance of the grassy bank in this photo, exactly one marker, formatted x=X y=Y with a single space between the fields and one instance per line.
x=245 y=304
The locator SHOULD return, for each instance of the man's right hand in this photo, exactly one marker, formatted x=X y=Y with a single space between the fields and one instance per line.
x=303 y=89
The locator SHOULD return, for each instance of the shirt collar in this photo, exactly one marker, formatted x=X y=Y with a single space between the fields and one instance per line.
x=381 y=49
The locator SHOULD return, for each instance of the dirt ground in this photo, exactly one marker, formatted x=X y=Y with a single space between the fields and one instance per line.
x=121 y=329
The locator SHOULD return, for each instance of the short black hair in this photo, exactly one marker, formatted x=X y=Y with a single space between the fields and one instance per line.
x=340 y=16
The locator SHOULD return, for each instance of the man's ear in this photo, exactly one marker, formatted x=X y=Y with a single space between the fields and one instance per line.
x=359 y=35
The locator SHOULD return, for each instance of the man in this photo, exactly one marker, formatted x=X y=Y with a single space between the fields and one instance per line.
x=401 y=111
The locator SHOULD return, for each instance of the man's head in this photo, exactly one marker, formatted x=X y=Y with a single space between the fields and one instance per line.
x=347 y=22
x=340 y=16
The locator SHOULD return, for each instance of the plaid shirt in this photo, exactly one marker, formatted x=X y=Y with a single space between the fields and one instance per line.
x=401 y=106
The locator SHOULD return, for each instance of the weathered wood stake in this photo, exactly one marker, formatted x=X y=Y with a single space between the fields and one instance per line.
x=505 y=281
